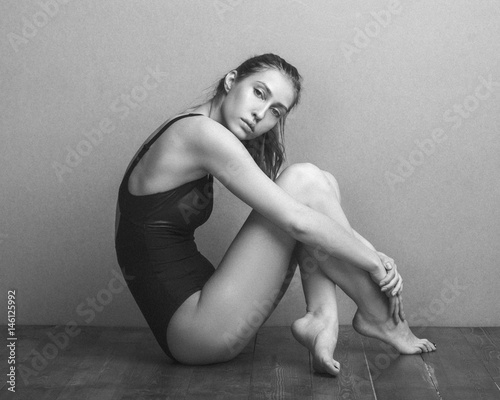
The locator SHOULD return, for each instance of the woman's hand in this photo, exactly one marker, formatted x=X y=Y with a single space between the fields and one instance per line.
x=392 y=283
x=396 y=308
x=378 y=273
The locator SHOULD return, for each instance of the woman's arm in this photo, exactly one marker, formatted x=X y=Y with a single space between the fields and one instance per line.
x=392 y=284
x=317 y=229
x=220 y=153
x=363 y=240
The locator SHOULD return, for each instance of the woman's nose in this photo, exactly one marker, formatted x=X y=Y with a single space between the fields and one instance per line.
x=259 y=113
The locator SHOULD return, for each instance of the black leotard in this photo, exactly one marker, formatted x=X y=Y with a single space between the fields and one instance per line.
x=155 y=245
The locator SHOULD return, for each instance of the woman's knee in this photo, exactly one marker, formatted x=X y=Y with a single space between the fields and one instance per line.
x=307 y=181
x=333 y=182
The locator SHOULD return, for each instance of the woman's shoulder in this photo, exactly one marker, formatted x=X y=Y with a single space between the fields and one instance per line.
x=189 y=120
x=182 y=133
x=176 y=125
x=170 y=155
x=192 y=127
x=195 y=134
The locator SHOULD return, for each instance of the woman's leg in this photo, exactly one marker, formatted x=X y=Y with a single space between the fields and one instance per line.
x=216 y=323
x=372 y=318
x=318 y=329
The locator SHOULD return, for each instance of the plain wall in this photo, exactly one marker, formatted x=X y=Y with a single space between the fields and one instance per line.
x=400 y=102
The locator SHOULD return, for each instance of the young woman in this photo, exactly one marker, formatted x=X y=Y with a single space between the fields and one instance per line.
x=202 y=315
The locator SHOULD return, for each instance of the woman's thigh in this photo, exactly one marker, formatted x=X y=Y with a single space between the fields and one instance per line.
x=216 y=323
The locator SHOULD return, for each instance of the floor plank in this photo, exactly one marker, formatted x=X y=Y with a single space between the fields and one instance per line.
x=485 y=350
x=131 y=361
x=455 y=368
x=28 y=337
x=230 y=380
x=494 y=335
x=354 y=381
x=127 y=363
x=397 y=376
x=48 y=365
x=280 y=366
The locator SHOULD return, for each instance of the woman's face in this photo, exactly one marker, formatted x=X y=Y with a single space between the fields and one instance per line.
x=255 y=104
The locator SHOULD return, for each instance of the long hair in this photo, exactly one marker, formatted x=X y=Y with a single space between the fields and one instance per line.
x=268 y=149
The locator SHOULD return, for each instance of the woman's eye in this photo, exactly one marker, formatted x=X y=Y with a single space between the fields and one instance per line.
x=258 y=93
x=276 y=112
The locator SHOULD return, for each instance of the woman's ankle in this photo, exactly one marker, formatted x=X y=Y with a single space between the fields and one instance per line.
x=323 y=312
x=372 y=317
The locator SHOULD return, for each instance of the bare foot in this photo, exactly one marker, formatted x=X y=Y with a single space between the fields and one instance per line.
x=319 y=335
x=400 y=336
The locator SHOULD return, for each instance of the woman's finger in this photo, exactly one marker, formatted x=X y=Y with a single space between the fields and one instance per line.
x=392 y=305
x=389 y=277
x=391 y=284
x=385 y=258
x=400 y=293
x=397 y=288
x=401 y=311
x=396 y=310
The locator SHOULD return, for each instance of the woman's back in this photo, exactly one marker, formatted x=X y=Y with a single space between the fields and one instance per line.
x=155 y=243
x=163 y=221
x=167 y=164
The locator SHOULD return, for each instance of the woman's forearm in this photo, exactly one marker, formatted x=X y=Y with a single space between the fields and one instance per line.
x=327 y=235
x=363 y=240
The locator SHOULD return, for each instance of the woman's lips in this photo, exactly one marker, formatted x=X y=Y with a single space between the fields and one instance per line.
x=248 y=125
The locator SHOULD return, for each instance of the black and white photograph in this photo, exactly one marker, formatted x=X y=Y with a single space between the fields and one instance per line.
x=228 y=199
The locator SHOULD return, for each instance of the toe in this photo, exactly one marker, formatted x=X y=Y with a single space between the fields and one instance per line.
x=325 y=365
x=333 y=368
x=422 y=347
x=428 y=345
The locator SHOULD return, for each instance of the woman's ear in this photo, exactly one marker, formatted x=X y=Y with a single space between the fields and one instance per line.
x=230 y=79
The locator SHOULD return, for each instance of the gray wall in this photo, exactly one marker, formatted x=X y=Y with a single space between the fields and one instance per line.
x=401 y=104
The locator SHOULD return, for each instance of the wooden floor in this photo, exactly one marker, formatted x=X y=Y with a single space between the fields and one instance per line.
x=126 y=363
